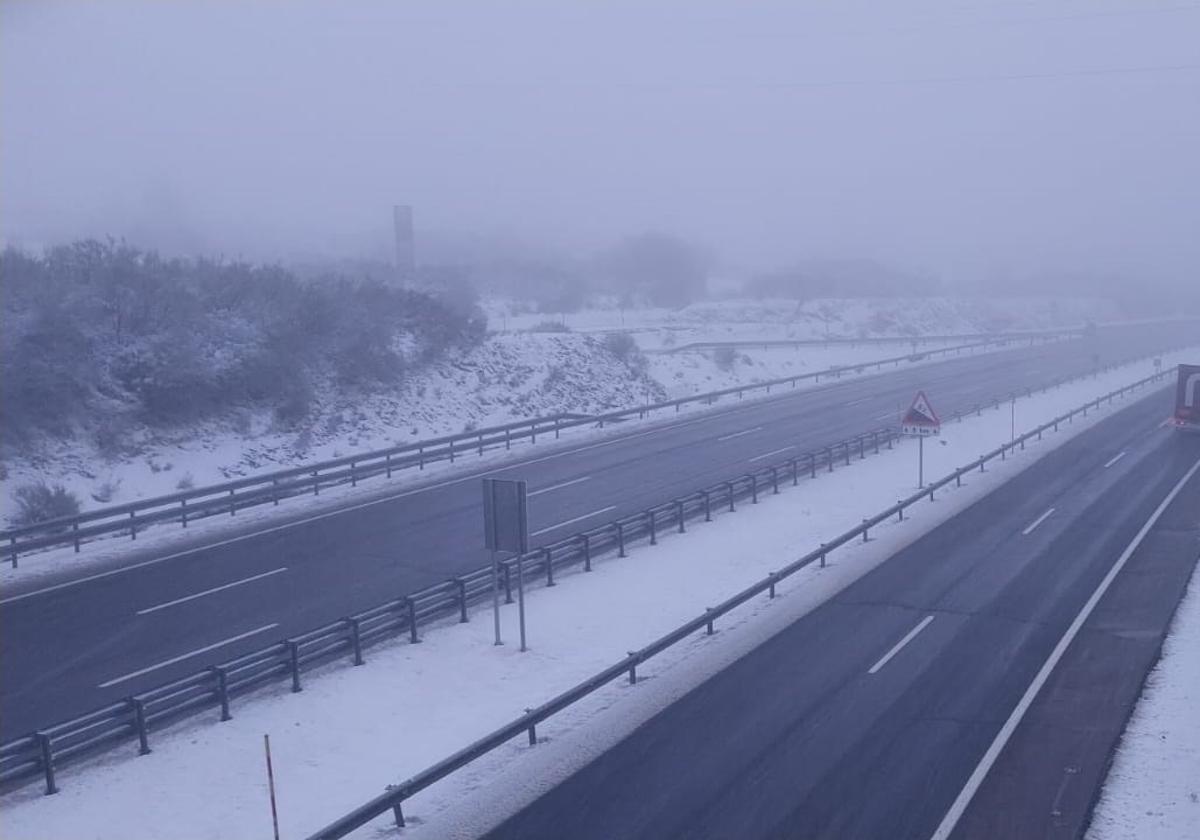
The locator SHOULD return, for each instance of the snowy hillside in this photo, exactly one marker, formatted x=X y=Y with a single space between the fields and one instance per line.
x=513 y=375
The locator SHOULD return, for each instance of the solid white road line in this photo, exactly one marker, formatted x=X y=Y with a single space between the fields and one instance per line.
x=186 y=598
x=989 y=758
x=1114 y=459
x=558 y=486
x=1029 y=528
x=912 y=634
x=573 y=521
x=739 y=434
x=188 y=655
x=772 y=452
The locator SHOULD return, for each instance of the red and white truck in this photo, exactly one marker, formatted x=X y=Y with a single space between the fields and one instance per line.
x=1187 y=399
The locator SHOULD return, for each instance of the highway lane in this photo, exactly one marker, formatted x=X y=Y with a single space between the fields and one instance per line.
x=865 y=718
x=62 y=651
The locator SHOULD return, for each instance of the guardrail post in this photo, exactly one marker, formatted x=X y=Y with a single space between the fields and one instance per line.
x=679 y=514
x=507 y=439
x=829 y=457
x=620 y=539
x=957 y=479
x=861 y=444
x=549 y=568
x=46 y=746
x=822 y=560
x=533 y=432
x=891 y=437
x=294 y=658
x=355 y=639
x=413 y=638
x=812 y=465
x=420 y=457
x=795 y=472
x=481 y=443
x=899 y=510
x=771 y=588
x=633 y=668
x=451 y=450
x=139 y=724
x=232 y=503
x=981 y=460
x=775 y=479
x=729 y=487
x=74 y=534
x=709 y=610
x=398 y=814
x=132 y=526
x=753 y=488
x=532 y=731
x=846 y=451
x=707 y=506
x=875 y=441
x=462 y=600
x=387 y=464
x=587 y=552
x=557 y=423
x=653 y=527
x=222 y=691
x=865 y=537
x=316 y=483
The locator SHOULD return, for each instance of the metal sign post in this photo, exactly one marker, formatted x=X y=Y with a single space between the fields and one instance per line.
x=506 y=528
x=920 y=420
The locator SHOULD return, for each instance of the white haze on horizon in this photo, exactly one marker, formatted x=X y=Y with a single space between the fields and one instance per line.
x=956 y=138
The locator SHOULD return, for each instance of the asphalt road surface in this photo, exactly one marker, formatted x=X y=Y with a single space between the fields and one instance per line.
x=70 y=644
x=865 y=718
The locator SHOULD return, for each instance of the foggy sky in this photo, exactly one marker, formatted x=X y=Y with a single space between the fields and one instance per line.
x=957 y=138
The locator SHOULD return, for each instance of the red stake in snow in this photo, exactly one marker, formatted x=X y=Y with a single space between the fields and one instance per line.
x=271 y=785
x=920 y=420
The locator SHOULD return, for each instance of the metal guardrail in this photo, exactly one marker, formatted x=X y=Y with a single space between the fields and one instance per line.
x=215 y=687
x=40 y=752
x=270 y=488
x=914 y=341
x=395 y=795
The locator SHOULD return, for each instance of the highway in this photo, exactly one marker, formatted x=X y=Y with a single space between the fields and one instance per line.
x=866 y=718
x=71 y=643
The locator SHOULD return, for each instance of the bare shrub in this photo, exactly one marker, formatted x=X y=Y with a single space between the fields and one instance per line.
x=40 y=502
x=725 y=358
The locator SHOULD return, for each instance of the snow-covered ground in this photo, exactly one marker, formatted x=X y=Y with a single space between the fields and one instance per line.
x=353 y=730
x=516 y=374
x=753 y=319
x=1153 y=787
x=509 y=377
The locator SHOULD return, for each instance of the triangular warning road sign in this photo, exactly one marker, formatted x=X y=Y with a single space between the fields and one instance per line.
x=920 y=417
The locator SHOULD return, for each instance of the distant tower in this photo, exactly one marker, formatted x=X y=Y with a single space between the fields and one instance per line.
x=406 y=268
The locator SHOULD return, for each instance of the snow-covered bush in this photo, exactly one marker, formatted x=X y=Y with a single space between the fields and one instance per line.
x=725 y=358
x=98 y=330
x=39 y=502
